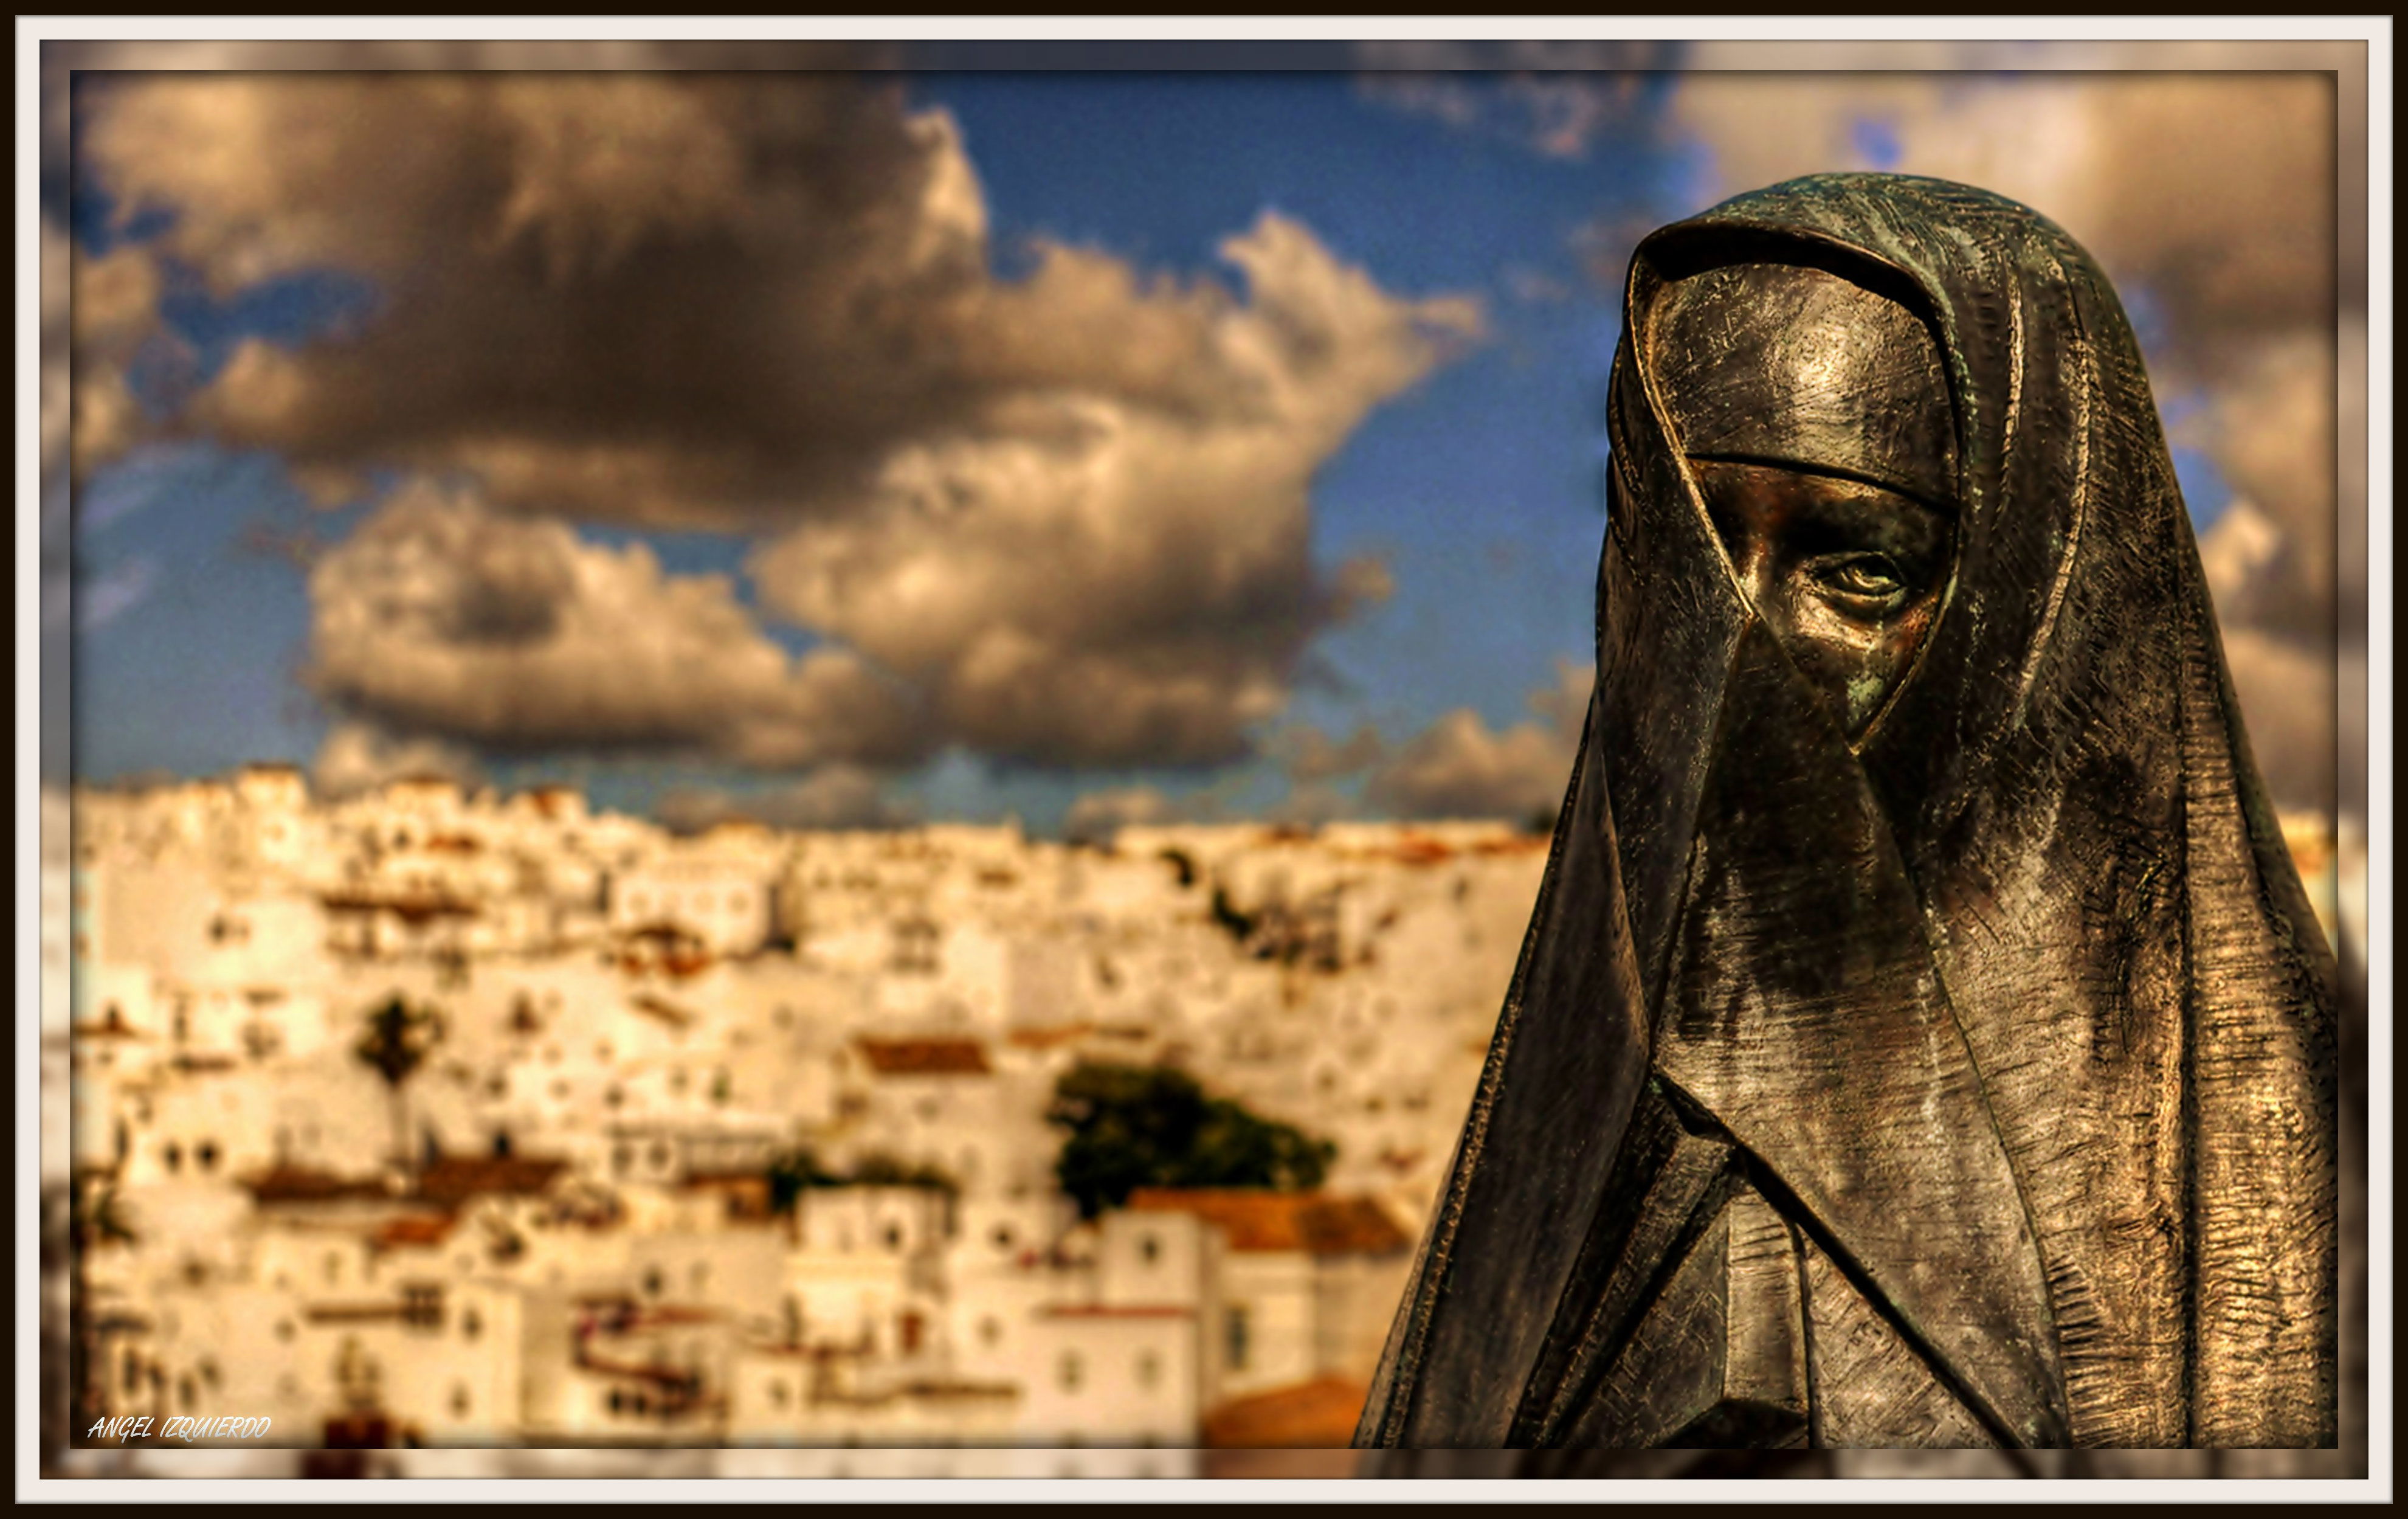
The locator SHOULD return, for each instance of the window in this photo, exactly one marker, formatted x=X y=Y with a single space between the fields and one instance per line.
x=653 y=1283
x=459 y=1400
x=334 y=1267
x=778 y=1394
x=909 y=1330
x=990 y=1330
x=1238 y=1329
x=206 y=1155
x=173 y=1156
x=1003 y=1237
x=422 y=1304
x=894 y=1236
x=471 y=1324
x=1149 y=1249
x=1148 y=1368
x=1071 y=1371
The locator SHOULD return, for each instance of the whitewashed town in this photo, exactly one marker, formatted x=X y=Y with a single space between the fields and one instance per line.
x=445 y=1119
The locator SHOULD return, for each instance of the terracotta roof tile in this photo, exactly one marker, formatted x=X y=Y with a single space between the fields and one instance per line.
x=1262 y=1220
x=414 y=1229
x=1317 y=1415
x=300 y=1184
x=457 y=1178
x=925 y=1057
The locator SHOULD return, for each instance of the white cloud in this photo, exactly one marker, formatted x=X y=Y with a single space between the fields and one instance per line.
x=834 y=796
x=1072 y=509
x=1460 y=766
x=443 y=618
x=358 y=757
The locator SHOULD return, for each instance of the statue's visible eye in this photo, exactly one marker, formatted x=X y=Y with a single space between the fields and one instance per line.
x=1869 y=579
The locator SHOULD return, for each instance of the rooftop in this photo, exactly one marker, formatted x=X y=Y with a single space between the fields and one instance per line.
x=1317 y=1415
x=925 y=1057
x=454 y=1178
x=1256 y=1219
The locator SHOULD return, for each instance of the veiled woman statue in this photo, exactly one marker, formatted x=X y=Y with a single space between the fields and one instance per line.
x=1921 y=1038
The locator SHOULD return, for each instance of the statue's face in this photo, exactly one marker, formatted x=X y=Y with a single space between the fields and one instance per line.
x=1848 y=576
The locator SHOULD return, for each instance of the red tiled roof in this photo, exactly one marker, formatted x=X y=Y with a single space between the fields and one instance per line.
x=1256 y=1219
x=925 y=1057
x=457 y=1178
x=411 y=908
x=300 y=1184
x=115 y=1028
x=1317 y=1415
x=414 y=1229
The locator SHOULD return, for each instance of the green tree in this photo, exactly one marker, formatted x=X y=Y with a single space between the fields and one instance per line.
x=792 y=1171
x=1131 y=1126
x=400 y=1035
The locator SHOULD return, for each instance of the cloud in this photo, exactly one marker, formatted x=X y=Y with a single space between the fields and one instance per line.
x=1106 y=581
x=2271 y=557
x=1555 y=99
x=1310 y=756
x=110 y=593
x=1072 y=509
x=835 y=797
x=442 y=618
x=1099 y=814
x=2288 y=690
x=357 y=757
x=1460 y=766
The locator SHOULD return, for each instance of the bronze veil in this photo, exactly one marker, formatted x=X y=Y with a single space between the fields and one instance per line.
x=1962 y=1075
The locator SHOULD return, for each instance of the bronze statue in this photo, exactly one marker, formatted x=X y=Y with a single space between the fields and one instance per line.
x=1921 y=1038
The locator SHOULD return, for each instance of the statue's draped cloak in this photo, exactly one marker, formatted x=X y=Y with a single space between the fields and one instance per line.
x=2009 y=1019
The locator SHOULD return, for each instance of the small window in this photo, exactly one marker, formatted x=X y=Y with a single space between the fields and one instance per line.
x=1239 y=1331
x=1003 y=1237
x=471 y=1324
x=206 y=1155
x=778 y=1393
x=653 y=1283
x=174 y=1156
x=893 y=1237
x=1148 y=1368
x=1071 y=1371
x=459 y=1400
x=1149 y=1249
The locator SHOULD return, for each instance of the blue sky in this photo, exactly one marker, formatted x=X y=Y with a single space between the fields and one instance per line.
x=1477 y=488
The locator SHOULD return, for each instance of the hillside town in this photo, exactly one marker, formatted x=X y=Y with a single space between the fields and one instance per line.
x=436 y=1119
